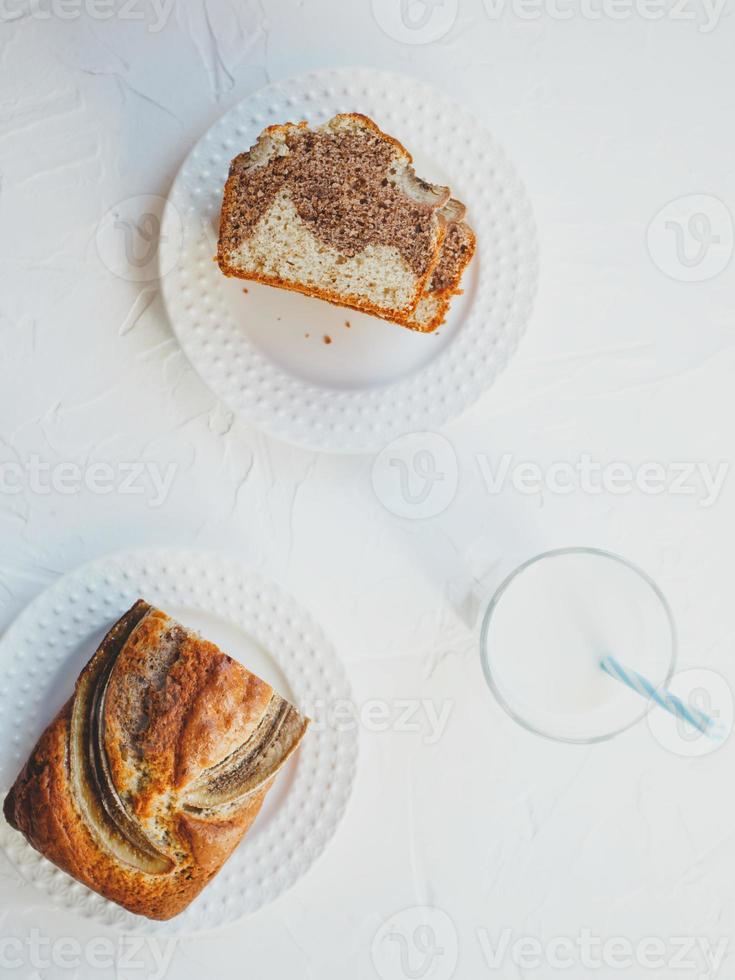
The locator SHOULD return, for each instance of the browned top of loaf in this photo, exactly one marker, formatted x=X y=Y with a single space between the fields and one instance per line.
x=457 y=242
x=176 y=705
x=339 y=186
x=41 y=805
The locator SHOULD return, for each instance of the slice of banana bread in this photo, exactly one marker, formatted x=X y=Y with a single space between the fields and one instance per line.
x=457 y=251
x=335 y=212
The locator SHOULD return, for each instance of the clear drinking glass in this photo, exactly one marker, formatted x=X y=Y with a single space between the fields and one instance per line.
x=547 y=628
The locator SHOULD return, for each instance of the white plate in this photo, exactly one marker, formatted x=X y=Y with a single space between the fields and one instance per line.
x=44 y=650
x=376 y=380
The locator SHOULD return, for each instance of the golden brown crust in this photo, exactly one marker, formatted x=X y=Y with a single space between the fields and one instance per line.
x=209 y=840
x=41 y=807
x=205 y=707
x=198 y=707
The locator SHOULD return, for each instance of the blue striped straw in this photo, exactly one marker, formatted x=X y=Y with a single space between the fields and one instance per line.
x=665 y=699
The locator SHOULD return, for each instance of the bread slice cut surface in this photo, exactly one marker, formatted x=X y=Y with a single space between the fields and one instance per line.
x=334 y=212
x=456 y=253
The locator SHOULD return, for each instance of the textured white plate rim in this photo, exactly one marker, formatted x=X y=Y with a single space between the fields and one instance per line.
x=325 y=766
x=361 y=420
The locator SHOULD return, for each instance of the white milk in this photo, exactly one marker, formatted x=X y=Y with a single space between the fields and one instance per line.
x=550 y=628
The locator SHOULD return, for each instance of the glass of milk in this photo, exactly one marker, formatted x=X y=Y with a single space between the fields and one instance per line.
x=547 y=628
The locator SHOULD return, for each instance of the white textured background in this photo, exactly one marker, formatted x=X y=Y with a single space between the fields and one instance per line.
x=607 y=120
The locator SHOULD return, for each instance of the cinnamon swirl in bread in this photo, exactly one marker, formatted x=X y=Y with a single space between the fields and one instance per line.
x=335 y=212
